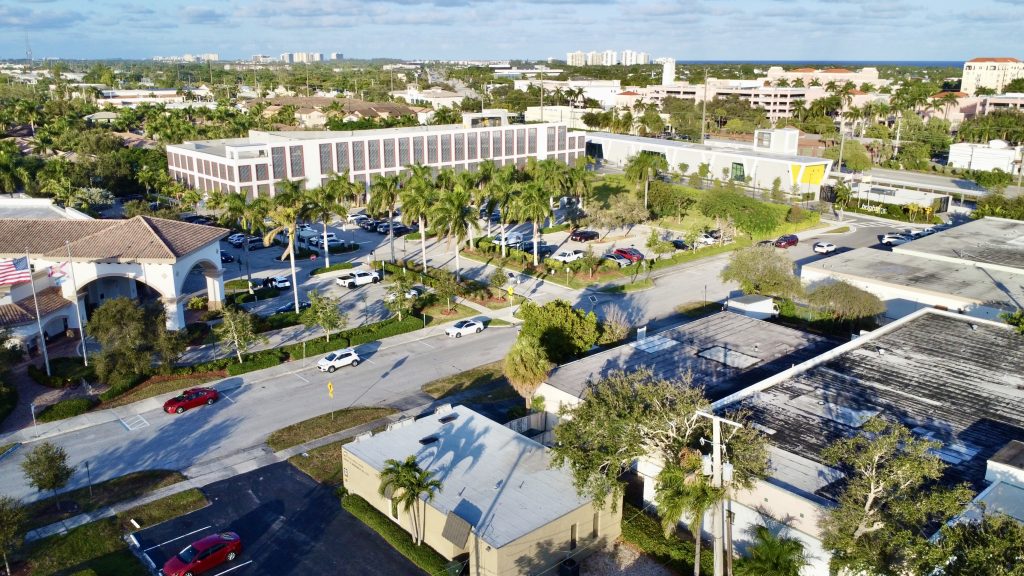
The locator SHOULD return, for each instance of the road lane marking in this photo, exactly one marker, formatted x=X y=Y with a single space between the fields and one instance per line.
x=173 y=539
x=301 y=377
x=246 y=563
x=134 y=423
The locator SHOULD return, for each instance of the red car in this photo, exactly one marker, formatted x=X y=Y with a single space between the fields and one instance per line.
x=787 y=241
x=631 y=254
x=584 y=235
x=203 y=555
x=190 y=399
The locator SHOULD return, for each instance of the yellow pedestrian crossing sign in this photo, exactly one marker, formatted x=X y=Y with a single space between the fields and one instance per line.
x=510 y=290
x=330 y=389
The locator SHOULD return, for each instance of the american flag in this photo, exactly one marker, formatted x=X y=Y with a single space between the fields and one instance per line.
x=14 y=271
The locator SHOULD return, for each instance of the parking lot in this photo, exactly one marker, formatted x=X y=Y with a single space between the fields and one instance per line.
x=288 y=525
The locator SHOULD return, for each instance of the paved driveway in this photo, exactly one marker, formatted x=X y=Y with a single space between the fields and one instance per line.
x=289 y=525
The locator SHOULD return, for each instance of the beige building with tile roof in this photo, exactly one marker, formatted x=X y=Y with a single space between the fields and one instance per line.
x=97 y=260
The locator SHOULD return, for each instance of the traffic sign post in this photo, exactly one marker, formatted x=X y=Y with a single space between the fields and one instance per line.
x=330 y=392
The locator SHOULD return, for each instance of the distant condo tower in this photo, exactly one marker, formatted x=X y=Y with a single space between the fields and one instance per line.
x=668 y=71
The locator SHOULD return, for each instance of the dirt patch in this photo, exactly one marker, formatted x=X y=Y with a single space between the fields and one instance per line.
x=622 y=559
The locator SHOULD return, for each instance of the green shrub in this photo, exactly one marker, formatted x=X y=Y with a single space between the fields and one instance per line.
x=119 y=384
x=8 y=400
x=417 y=235
x=331 y=268
x=277 y=321
x=556 y=228
x=260 y=293
x=256 y=361
x=645 y=533
x=197 y=303
x=65 y=370
x=423 y=556
x=66 y=409
x=384 y=329
x=796 y=215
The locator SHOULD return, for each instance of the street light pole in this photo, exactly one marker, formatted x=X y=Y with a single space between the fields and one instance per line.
x=719 y=478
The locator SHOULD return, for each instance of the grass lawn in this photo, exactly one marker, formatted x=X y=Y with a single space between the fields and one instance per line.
x=325 y=424
x=698 y=309
x=436 y=313
x=44 y=512
x=839 y=230
x=98 y=548
x=322 y=464
x=497 y=303
x=636 y=286
x=158 y=385
x=498 y=322
x=609 y=185
x=474 y=378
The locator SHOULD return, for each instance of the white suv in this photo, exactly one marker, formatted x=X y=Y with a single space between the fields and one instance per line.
x=358 y=278
x=338 y=359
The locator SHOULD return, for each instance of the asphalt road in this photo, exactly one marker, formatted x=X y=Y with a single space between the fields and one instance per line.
x=288 y=525
x=254 y=405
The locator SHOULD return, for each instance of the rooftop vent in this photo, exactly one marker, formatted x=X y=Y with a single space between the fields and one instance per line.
x=428 y=440
x=448 y=418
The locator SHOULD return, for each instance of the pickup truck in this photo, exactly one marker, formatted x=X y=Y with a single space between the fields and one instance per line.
x=358 y=278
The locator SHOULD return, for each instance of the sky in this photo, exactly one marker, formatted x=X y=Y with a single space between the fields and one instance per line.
x=782 y=30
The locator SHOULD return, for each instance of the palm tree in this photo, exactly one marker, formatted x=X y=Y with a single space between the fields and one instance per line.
x=287 y=209
x=451 y=212
x=418 y=196
x=383 y=198
x=486 y=172
x=643 y=167
x=323 y=203
x=580 y=181
x=532 y=204
x=502 y=192
x=682 y=489
x=468 y=181
x=408 y=485
x=345 y=191
x=948 y=99
x=772 y=555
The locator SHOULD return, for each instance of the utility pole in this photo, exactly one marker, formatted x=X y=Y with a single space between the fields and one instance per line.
x=721 y=476
x=704 y=108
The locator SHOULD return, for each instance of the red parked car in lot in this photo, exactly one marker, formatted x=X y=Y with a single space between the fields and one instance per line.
x=190 y=399
x=204 y=555
x=787 y=241
x=584 y=235
x=631 y=254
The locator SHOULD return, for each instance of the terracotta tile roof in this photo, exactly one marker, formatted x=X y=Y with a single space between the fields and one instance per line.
x=944 y=92
x=144 y=238
x=42 y=236
x=628 y=93
x=856 y=92
x=140 y=238
x=24 y=311
x=993 y=60
x=805 y=70
x=836 y=71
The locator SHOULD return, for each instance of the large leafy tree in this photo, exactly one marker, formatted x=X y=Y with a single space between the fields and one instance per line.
x=992 y=545
x=526 y=366
x=891 y=502
x=46 y=467
x=384 y=195
x=846 y=303
x=287 y=209
x=762 y=270
x=237 y=331
x=12 y=521
x=130 y=335
x=324 y=312
x=564 y=331
x=772 y=554
x=407 y=484
x=532 y=204
x=418 y=196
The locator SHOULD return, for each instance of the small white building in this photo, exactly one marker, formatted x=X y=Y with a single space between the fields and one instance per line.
x=434 y=97
x=997 y=154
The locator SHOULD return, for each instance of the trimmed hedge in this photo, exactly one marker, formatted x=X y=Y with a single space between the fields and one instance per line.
x=331 y=268
x=66 y=370
x=261 y=293
x=423 y=556
x=416 y=235
x=257 y=361
x=66 y=409
x=557 y=228
x=122 y=385
x=277 y=321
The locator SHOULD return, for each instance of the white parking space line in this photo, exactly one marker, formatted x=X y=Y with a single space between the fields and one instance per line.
x=178 y=538
x=425 y=344
x=300 y=377
x=228 y=397
x=134 y=422
x=246 y=563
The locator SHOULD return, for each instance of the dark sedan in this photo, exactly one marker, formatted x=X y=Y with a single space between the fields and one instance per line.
x=584 y=235
x=787 y=241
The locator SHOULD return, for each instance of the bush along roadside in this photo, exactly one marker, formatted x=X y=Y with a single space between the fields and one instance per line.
x=331 y=268
x=66 y=409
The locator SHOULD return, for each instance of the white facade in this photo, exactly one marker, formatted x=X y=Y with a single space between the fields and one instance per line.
x=593 y=58
x=604 y=91
x=254 y=164
x=632 y=58
x=609 y=58
x=433 y=97
x=808 y=76
x=997 y=154
x=798 y=175
x=568 y=115
x=668 y=71
x=994 y=73
x=577 y=58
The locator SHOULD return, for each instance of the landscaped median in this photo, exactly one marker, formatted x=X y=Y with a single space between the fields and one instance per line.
x=99 y=548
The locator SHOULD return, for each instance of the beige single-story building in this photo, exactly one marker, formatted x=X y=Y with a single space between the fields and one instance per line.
x=502 y=508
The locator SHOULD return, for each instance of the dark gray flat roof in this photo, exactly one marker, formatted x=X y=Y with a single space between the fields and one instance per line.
x=947 y=377
x=724 y=352
x=988 y=242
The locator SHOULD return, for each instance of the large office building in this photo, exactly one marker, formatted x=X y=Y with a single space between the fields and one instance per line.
x=254 y=164
x=810 y=76
x=993 y=73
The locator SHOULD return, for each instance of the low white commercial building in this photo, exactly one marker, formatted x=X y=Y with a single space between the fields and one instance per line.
x=604 y=91
x=976 y=269
x=74 y=257
x=253 y=165
x=569 y=115
x=997 y=154
x=434 y=97
x=808 y=76
x=770 y=156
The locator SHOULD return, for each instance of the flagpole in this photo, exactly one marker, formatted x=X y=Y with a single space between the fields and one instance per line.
x=78 y=307
x=39 y=321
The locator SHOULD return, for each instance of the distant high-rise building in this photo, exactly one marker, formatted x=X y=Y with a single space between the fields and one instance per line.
x=577 y=58
x=991 y=73
x=337 y=56
x=288 y=58
x=593 y=58
x=631 y=58
x=609 y=58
